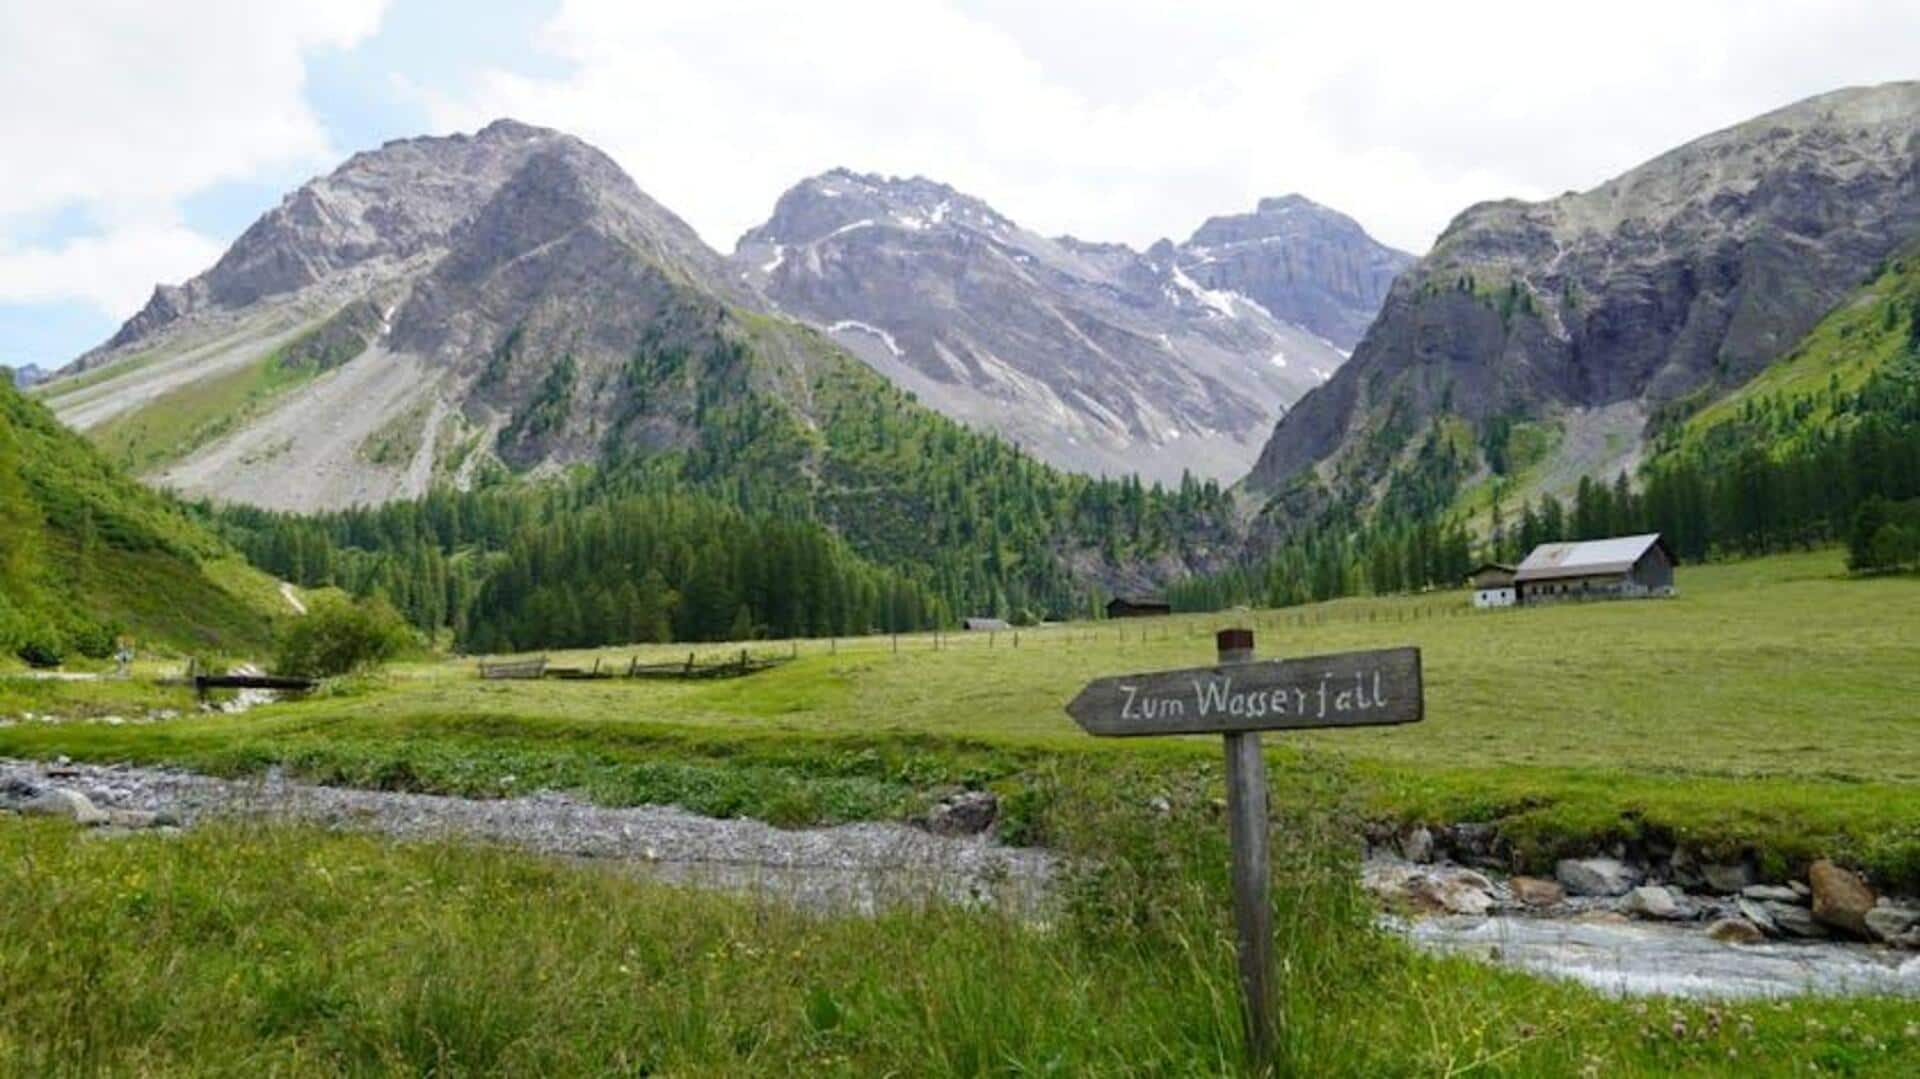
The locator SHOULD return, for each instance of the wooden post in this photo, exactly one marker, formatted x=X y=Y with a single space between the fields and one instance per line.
x=1247 y=830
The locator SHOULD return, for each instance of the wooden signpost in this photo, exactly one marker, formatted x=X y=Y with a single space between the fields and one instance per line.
x=1239 y=698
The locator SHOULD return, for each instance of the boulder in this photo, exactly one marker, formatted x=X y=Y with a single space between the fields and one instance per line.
x=1595 y=876
x=1726 y=879
x=1416 y=844
x=1771 y=893
x=1653 y=901
x=1535 y=892
x=1892 y=923
x=1841 y=899
x=1429 y=890
x=1450 y=893
x=1795 y=921
x=61 y=802
x=966 y=813
x=1735 y=931
x=132 y=818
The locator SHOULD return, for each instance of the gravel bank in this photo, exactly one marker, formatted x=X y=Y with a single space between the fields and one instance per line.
x=852 y=867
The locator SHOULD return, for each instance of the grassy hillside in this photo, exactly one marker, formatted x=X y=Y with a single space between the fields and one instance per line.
x=1815 y=389
x=88 y=555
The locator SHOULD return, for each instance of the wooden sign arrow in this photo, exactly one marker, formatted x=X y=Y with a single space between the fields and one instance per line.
x=1349 y=689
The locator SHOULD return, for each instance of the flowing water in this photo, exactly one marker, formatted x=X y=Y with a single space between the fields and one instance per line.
x=1640 y=959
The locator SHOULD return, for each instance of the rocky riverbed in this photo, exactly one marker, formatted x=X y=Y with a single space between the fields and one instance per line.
x=1638 y=925
x=852 y=867
x=1616 y=924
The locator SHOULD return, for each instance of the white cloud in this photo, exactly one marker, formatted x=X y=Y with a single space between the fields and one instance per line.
x=118 y=110
x=114 y=271
x=1134 y=120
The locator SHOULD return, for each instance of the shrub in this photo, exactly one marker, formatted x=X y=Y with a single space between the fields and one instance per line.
x=41 y=653
x=338 y=636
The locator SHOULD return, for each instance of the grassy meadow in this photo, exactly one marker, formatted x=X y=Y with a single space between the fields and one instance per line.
x=1773 y=707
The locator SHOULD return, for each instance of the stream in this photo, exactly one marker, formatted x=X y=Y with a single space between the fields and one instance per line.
x=1644 y=959
x=864 y=868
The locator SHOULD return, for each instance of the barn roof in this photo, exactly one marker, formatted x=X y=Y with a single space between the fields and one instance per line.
x=1617 y=555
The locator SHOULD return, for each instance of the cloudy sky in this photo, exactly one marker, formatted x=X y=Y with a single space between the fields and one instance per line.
x=139 y=139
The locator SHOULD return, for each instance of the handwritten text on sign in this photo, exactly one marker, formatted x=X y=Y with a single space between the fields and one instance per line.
x=1351 y=689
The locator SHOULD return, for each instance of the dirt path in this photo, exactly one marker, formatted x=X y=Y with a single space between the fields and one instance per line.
x=851 y=867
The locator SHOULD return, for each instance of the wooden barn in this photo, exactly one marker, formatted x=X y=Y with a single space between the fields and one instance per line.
x=1137 y=607
x=1624 y=567
x=1492 y=585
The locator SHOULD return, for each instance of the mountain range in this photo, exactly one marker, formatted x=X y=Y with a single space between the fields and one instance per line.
x=441 y=308
x=1542 y=342
x=1094 y=356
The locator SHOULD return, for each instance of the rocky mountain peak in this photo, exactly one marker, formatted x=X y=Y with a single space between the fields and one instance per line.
x=1094 y=355
x=842 y=200
x=385 y=213
x=1303 y=262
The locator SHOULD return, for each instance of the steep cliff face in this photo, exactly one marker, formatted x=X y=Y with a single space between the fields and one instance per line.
x=1303 y=262
x=1097 y=357
x=1586 y=313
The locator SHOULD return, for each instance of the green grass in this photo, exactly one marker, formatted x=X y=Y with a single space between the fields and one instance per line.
x=95 y=555
x=183 y=419
x=235 y=950
x=53 y=391
x=1771 y=707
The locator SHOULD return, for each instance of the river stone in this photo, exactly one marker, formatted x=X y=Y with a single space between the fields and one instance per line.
x=1774 y=893
x=1795 y=921
x=1755 y=911
x=966 y=813
x=1416 y=845
x=1840 y=898
x=61 y=802
x=1653 y=901
x=1735 y=931
x=1535 y=892
x=1726 y=879
x=1595 y=876
x=18 y=789
x=1453 y=893
x=1891 y=923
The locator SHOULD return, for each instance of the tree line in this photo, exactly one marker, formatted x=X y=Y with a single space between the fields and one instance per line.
x=1836 y=466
